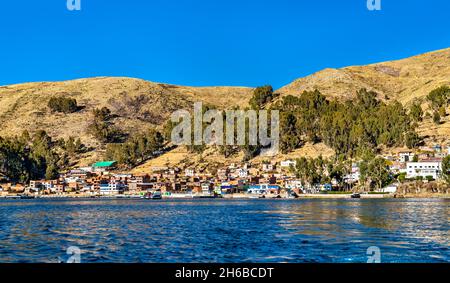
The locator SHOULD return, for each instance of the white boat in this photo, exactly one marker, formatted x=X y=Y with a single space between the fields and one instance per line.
x=153 y=195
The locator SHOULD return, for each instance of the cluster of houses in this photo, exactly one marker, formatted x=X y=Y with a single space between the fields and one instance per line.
x=102 y=178
x=422 y=164
x=426 y=163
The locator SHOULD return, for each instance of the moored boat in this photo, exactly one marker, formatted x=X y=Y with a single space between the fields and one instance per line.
x=153 y=195
x=207 y=195
x=355 y=195
x=27 y=197
x=292 y=195
x=12 y=197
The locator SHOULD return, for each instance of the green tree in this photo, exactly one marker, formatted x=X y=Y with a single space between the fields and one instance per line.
x=63 y=104
x=136 y=150
x=368 y=99
x=261 y=96
x=289 y=136
x=402 y=177
x=446 y=169
x=35 y=157
x=412 y=140
x=378 y=172
x=439 y=97
x=102 y=128
x=416 y=112
x=347 y=127
x=72 y=146
x=103 y=114
x=442 y=111
x=436 y=118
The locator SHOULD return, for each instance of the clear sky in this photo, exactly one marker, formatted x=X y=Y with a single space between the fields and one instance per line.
x=210 y=42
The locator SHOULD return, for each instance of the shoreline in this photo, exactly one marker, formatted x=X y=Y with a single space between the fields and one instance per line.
x=241 y=196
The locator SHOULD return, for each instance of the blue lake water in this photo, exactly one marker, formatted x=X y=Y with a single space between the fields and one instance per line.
x=131 y=231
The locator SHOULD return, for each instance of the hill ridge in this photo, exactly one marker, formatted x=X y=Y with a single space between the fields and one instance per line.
x=24 y=106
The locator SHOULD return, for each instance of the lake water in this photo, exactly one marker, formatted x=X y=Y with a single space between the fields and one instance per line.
x=218 y=230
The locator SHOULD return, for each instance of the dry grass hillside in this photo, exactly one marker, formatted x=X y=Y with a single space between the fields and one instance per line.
x=140 y=104
x=180 y=157
x=137 y=103
x=403 y=80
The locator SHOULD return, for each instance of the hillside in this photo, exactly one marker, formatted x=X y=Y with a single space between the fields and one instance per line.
x=140 y=104
x=403 y=80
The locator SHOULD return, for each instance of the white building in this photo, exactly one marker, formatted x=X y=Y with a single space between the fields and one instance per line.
x=189 y=172
x=442 y=154
x=354 y=176
x=406 y=156
x=293 y=184
x=389 y=189
x=87 y=169
x=266 y=167
x=112 y=187
x=258 y=189
x=243 y=173
x=288 y=163
x=423 y=169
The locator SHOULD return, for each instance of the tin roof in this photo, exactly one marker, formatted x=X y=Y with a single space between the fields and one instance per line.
x=104 y=164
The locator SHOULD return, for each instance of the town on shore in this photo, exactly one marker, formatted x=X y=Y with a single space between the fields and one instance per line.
x=417 y=172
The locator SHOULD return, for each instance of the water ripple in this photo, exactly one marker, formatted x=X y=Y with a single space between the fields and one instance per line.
x=224 y=230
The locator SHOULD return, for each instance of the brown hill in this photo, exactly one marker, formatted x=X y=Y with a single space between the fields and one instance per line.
x=140 y=104
x=403 y=80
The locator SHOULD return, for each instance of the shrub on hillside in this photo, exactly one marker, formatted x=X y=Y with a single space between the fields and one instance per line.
x=63 y=104
x=261 y=96
x=102 y=127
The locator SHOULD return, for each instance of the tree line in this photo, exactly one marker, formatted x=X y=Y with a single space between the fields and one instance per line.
x=348 y=127
x=137 y=149
x=31 y=157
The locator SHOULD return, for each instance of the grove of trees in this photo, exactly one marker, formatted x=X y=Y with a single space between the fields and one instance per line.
x=102 y=127
x=137 y=149
x=446 y=169
x=348 y=127
x=28 y=157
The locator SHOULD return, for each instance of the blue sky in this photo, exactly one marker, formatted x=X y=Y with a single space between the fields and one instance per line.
x=210 y=42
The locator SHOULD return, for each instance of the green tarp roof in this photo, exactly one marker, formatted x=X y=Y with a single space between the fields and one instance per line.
x=104 y=164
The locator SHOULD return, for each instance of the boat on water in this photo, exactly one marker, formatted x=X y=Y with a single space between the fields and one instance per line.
x=256 y=195
x=293 y=195
x=203 y=196
x=12 y=197
x=253 y=197
x=27 y=197
x=207 y=195
x=153 y=195
x=356 y=195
